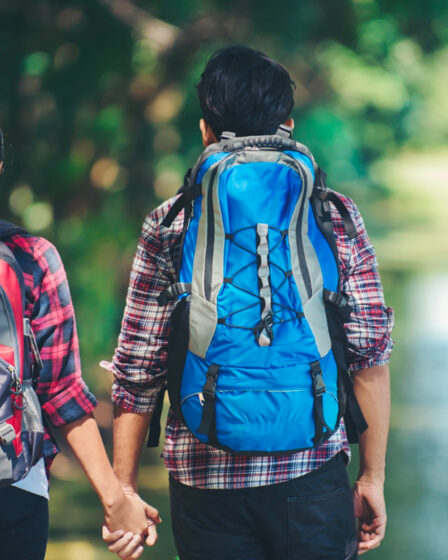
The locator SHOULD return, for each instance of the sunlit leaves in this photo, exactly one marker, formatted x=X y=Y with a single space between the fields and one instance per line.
x=36 y=63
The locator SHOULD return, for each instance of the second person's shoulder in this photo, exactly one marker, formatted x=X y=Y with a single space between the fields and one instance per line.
x=153 y=229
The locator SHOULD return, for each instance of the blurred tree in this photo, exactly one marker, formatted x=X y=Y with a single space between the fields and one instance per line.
x=97 y=99
x=98 y=103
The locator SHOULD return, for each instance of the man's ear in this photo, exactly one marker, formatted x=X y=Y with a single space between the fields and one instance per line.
x=208 y=136
x=290 y=123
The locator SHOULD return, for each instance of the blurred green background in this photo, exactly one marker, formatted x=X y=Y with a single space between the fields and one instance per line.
x=98 y=103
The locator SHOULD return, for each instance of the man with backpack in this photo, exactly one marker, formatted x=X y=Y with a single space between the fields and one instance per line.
x=41 y=391
x=252 y=295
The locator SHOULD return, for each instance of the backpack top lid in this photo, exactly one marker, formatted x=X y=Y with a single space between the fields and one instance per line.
x=229 y=143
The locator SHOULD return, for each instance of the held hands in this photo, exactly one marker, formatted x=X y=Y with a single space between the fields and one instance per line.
x=128 y=524
x=370 y=510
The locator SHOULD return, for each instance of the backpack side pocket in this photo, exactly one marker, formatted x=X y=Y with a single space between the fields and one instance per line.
x=177 y=351
x=337 y=315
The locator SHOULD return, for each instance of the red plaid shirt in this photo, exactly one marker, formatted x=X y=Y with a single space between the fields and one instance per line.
x=139 y=363
x=62 y=393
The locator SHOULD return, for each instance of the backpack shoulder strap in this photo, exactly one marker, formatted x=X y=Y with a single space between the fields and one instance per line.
x=7 y=230
x=350 y=227
x=323 y=194
x=186 y=197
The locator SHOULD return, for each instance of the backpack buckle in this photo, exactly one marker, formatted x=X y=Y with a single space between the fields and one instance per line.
x=227 y=135
x=7 y=434
x=318 y=380
x=284 y=130
x=209 y=389
x=263 y=331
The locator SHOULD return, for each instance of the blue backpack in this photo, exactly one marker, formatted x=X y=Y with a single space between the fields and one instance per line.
x=257 y=347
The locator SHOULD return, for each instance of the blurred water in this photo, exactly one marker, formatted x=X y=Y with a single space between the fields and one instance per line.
x=417 y=481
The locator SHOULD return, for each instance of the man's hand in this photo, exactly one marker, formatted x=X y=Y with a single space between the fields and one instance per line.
x=372 y=389
x=370 y=510
x=128 y=546
x=127 y=513
x=152 y=515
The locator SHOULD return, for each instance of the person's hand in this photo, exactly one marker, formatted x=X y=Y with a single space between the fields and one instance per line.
x=128 y=522
x=126 y=545
x=370 y=510
x=152 y=515
x=127 y=513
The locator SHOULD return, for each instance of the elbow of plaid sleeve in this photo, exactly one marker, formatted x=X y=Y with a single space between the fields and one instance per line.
x=70 y=404
x=134 y=398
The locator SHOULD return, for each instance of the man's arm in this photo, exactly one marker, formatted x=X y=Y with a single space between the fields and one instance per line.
x=139 y=363
x=372 y=389
x=130 y=429
x=370 y=345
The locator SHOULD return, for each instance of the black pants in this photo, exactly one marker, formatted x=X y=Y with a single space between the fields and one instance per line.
x=23 y=525
x=307 y=518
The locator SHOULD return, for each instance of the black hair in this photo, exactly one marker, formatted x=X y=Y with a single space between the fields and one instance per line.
x=244 y=91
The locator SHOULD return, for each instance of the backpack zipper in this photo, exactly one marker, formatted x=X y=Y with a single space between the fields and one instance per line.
x=7 y=365
x=202 y=399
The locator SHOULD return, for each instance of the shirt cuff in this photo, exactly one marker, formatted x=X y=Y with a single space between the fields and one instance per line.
x=135 y=402
x=72 y=403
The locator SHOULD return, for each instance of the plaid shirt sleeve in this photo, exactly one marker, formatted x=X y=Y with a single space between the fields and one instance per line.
x=139 y=363
x=371 y=322
x=62 y=392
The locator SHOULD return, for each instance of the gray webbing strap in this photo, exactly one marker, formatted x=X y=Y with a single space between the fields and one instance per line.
x=264 y=338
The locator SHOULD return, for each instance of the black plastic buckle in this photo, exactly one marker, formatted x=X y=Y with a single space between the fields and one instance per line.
x=209 y=389
x=318 y=380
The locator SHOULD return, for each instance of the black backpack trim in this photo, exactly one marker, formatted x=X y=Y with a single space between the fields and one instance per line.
x=337 y=308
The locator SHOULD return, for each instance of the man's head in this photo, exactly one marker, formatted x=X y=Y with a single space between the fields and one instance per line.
x=243 y=91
